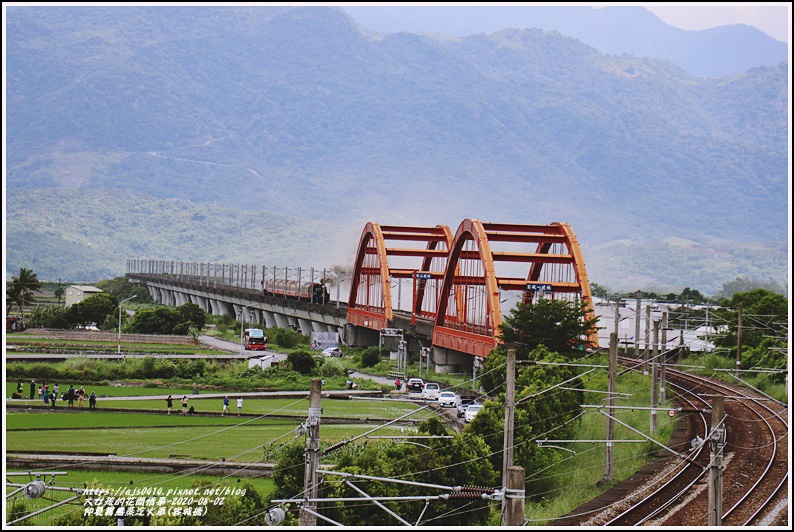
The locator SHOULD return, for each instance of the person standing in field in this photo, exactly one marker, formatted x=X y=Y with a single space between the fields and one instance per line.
x=184 y=405
x=53 y=398
x=92 y=401
x=70 y=396
x=81 y=397
x=32 y=389
x=239 y=406
x=225 y=406
x=169 y=403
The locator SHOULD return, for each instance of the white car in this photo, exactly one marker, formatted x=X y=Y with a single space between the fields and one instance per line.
x=471 y=411
x=430 y=391
x=332 y=352
x=448 y=399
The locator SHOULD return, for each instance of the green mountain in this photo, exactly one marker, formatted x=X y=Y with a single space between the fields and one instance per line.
x=277 y=113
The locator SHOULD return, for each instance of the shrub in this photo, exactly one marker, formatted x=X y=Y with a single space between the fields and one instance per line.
x=370 y=357
x=302 y=362
x=287 y=338
x=332 y=368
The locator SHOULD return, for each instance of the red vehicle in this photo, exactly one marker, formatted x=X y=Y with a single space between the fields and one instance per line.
x=255 y=340
x=313 y=292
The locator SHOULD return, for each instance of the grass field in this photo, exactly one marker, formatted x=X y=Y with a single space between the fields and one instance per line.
x=18 y=341
x=118 y=480
x=159 y=435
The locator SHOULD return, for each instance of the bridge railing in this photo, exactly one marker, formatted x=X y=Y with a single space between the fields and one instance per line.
x=247 y=276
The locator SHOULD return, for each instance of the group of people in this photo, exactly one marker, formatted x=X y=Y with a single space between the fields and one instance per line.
x=169 y=402
x=50 y=397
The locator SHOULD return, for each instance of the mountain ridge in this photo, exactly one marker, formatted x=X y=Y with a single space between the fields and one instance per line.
x=299 y=113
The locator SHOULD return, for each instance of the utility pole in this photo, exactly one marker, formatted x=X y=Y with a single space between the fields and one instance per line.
x=613 y=362
x=654 y=377
x=507 y=463
x=310 y=481
x=514 y=497
x=739 y=344
x=637 y=327
x=662 y=361
x=716 y=443
x=647 y=338
x=617 y=314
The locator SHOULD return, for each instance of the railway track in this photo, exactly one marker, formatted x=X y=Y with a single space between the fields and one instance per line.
x=755 y=467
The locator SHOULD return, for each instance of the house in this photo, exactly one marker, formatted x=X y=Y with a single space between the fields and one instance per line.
x=76 y=293
x=266 y=361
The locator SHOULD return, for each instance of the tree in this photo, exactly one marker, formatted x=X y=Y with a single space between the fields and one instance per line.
x=95 y=309
x=22 y=288
x=691 y=296
x=158 y=320
x=558 y=324
x=59 y=293
x=457 y=461
x=599 y=291
x=122 y=288
x=764 y=326
x=302 y=362
x=743 y=284
x=540 y=413
x=193 y=314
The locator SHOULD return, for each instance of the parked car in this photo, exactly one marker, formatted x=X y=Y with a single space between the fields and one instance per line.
x=430 y=391
x=332 y=352
x=415 y=385
x=463 y=404
x=448 y=399
x=471 y=411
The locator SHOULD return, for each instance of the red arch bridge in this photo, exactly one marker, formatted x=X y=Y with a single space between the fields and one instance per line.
x=443 y=294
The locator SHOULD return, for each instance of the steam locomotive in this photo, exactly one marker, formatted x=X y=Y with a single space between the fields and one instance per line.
x=311 y=292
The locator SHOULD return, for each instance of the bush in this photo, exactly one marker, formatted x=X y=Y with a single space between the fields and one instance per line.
x=287 y=338
x=302 y=362
x=332 y=368
x=370 y=357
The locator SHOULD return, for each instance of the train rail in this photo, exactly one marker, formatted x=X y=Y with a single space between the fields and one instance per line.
x=755 y=467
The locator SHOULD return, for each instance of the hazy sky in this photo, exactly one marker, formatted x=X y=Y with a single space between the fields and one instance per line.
x=773 y=18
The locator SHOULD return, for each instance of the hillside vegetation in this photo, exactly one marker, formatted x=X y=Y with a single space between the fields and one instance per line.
x=280 y=140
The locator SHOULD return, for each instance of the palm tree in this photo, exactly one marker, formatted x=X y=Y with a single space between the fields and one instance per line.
x=22 y=288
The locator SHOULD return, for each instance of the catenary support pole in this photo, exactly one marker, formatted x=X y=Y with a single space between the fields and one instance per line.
x=613 y=360
x=739 y=343
x=514 y=497
x=655 y=378
x=716 y=443
x=310 y=482
x=510 y=392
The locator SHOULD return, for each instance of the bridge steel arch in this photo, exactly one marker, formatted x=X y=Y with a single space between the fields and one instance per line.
x=370 y=303
x=469 y=313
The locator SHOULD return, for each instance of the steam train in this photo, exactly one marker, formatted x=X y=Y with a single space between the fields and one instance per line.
x=311 y=292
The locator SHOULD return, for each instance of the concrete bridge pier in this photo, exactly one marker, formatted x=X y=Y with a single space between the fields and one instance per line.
x=269 y=319
x=356 y=336
x=226 y=308
x=451 y=361
x=215 y=307
x=154 y=292
x=200 y=301
x=168 y=298
x=306 y=326
x=281 y=321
